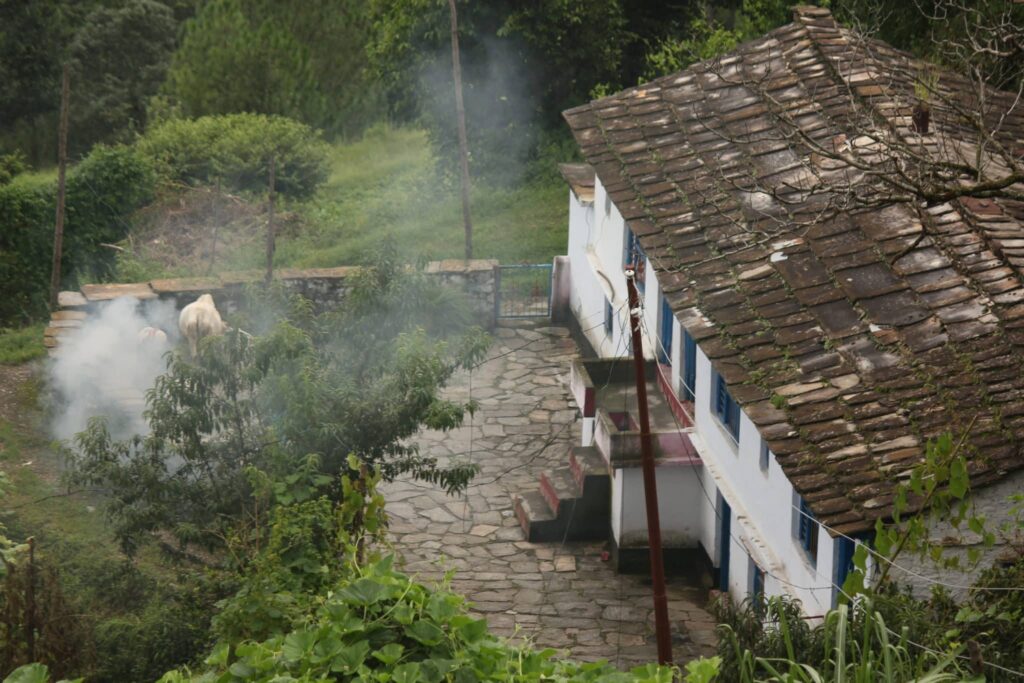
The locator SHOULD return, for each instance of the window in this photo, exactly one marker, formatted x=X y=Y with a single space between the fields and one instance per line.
x=636 y=259
x=843 y=565
x=805 y=528
x=765 y=453
x=665 y=332
x=725 y=407
x=609 y=318
x=756 y=587
x=689 y=373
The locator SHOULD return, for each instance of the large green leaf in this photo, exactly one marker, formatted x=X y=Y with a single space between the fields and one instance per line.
x=425 y=632
x=363 y=591
x=30 y=673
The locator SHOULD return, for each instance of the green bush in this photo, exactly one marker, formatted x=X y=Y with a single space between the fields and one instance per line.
x=236 y=150
x=11 y=165
x=102 y=191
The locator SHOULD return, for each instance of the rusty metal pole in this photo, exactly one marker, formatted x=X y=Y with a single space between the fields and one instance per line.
x=661 y=625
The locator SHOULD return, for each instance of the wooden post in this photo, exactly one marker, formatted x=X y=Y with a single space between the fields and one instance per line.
x=661 y=625
x=62 y=162
x=270 y=227
x=460 y=115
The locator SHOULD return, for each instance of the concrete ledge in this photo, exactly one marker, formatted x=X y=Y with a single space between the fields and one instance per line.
x=185 y=284
x=107 y=292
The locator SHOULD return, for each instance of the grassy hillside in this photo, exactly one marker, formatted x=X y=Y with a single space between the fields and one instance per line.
x=386 y=184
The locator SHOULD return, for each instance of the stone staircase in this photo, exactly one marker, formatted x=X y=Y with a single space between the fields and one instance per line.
x=572 y=503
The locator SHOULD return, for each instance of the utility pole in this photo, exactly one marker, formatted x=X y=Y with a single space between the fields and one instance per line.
x=270 y=227
x=62 y=163
x=661 y=625
x=460 y=115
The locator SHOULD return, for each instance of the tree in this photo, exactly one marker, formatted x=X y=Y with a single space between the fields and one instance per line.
x=119 y=57
x=298 y=59
x=289 y=406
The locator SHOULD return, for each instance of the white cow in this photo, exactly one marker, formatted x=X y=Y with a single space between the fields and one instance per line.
x=152 y=335
x=200 y=319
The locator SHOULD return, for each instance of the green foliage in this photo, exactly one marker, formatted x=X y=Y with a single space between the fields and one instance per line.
x=102 y=191
x=118 y=52
x=301 y=60
x=11 y=165
x=521 y=65
x=21 y=345
x=310 y=608
x=770 y=640
x=380 y=625
x=989 y=617
x=236 y=150
x=936 y=492
x=165 y=627
x=715 y=31
x=118 y=59
x=307 y=391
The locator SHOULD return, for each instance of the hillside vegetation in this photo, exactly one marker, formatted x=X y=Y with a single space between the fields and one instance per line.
x=385 y=185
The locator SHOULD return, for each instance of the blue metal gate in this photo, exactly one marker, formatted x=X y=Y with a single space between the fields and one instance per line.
x=522 y=291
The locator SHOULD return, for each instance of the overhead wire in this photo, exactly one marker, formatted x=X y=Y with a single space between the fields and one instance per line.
x=656 y=344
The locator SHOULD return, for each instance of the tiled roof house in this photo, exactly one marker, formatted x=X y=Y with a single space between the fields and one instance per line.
x=848 y=338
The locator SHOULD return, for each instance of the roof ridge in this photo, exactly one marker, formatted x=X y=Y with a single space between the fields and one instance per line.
x=802 y=12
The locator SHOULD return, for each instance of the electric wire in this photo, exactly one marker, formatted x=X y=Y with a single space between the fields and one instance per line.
x=832 y=585
x=657 y=345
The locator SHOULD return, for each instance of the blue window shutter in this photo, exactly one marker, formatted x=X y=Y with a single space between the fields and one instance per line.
x=665 y=334
x=689 y=366
x=843 y=564
x=763 y=461
x=609 y=318
x=720 y=397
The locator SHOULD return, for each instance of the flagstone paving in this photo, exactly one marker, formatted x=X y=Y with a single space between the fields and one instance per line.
x=560 y=596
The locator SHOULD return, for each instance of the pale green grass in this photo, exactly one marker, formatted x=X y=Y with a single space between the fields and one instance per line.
x=21 y=345
x=387 y=185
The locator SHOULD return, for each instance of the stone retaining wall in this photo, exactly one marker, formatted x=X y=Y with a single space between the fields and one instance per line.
x=325 y=287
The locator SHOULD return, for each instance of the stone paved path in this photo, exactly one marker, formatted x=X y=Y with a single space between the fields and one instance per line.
x=563 y=597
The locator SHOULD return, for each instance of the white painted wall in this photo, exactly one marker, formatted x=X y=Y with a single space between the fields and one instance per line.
x=762 y=502
x=596 y=248
x=678 y=507
x=762 y=505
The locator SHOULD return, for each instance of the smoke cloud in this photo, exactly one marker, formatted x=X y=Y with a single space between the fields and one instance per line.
x=105 y=368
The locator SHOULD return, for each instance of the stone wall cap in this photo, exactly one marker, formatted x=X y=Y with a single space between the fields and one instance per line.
x=71 y=299
x=106 y=292
x=455 y=265
x=185 y=284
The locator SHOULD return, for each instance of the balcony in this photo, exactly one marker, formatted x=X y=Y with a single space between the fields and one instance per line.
x=605 y=389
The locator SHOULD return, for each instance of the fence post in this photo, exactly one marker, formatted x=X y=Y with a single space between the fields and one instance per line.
x=497 y=294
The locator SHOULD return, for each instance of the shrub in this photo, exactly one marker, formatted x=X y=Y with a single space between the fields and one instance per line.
x=236 y=150
x=22 y=345
x=11 y=165
x=102 y=191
